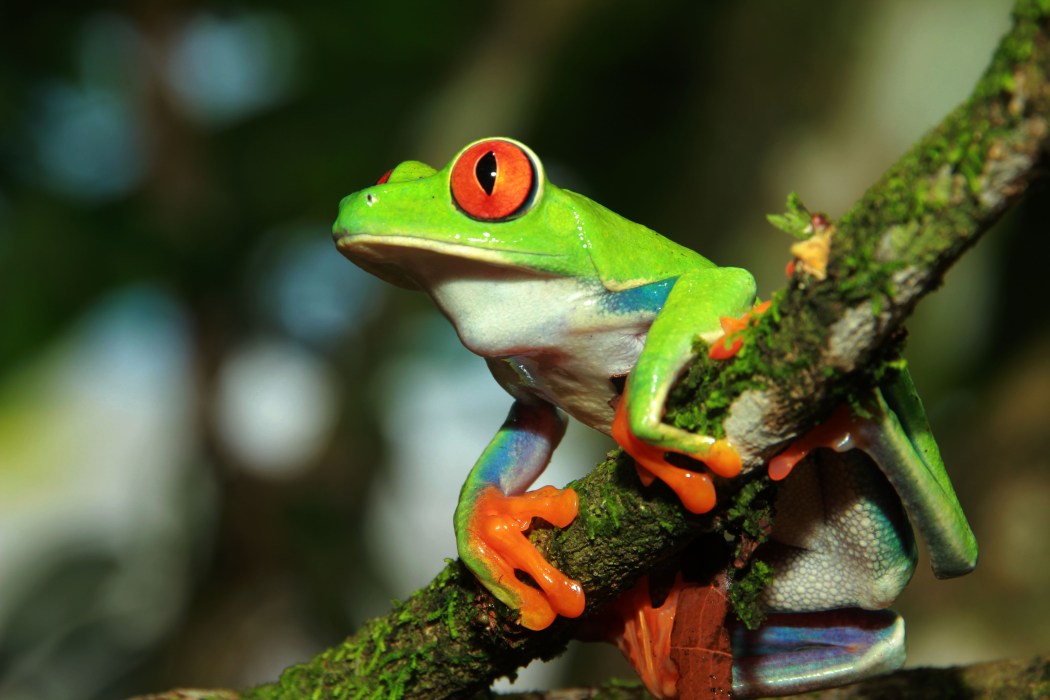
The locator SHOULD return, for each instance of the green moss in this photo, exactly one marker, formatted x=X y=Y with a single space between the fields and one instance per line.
x=750 y=510
x=372 y=663
x=750 y=520
x=618 y=689
x=701 y=399
x=604 y=515
x=746 y=593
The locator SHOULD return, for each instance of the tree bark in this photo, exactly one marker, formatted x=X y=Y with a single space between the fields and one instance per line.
x=1010 y=679
x=822 y=342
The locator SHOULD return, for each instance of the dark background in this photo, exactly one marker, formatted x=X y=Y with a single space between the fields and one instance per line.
x=222 y=446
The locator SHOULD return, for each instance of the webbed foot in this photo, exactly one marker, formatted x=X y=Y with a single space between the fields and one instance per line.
x=680 y=647
x=496 y=548
x=642 y=632
x=694 y=488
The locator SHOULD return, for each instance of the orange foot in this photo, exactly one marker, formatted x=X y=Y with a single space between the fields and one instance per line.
x=643 y=633
x=694 y=488
x=836 y=433
x=498 y=548
x=732 y=340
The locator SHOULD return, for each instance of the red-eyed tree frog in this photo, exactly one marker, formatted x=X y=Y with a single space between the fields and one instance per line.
x=579 y=311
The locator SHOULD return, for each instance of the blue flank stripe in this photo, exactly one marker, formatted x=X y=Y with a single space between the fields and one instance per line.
x=647 y=298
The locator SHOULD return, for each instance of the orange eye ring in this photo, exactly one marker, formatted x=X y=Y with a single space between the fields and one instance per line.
x=493 y=180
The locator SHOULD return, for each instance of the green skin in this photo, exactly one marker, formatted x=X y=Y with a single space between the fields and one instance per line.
x=562 y=297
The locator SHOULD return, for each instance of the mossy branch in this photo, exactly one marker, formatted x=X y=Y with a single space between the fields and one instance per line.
x=1016 y=679
x=824 y=336
x=822 y=341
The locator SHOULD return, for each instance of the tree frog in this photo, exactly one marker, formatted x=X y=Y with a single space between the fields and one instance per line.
x=579 y=311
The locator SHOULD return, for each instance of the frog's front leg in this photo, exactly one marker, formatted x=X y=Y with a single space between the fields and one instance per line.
x=694 y=307
x=494 y=512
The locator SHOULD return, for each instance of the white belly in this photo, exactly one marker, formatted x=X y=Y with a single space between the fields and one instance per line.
x=582 y=386
x=553 y=333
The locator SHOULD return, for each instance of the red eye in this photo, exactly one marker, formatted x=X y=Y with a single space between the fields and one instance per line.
x=493 y=180
x=383 y=180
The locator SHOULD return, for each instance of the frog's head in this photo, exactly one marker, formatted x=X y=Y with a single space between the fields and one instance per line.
x=490 y=210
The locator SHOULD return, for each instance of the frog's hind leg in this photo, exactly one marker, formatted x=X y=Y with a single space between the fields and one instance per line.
x=841 y=550
x=842 y=547
x=898 y=438
x=840 y=537
x=799 y=652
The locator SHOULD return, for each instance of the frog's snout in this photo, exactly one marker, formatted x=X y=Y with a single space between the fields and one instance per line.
x=348 y=212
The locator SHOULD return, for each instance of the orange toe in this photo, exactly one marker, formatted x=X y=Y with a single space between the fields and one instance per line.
x=694 y=488
x=723 y=459
x=835 y=433
x=643 y=634
x=497 y=528
x=731 y=341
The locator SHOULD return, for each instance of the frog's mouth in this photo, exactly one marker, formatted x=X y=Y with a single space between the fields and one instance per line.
x=417 y=262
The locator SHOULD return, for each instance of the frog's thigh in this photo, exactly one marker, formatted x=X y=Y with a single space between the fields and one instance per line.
x=840 y=537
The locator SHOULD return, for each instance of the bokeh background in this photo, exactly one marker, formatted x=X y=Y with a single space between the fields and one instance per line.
x=222 y=446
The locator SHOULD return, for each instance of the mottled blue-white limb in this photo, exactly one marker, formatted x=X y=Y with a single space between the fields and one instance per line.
x=798 y=652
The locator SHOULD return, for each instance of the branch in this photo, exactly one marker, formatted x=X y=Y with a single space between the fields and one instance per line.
x=1016 y=679
x=821 y=341
x=894 y=246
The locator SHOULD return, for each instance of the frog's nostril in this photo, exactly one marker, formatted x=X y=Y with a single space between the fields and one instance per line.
x=371 y=199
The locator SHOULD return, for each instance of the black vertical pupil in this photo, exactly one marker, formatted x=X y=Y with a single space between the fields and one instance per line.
x=485 y=171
